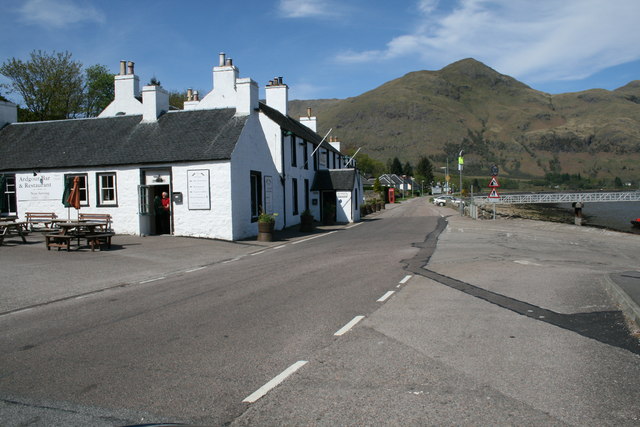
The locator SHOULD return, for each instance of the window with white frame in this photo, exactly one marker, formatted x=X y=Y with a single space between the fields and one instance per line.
x=82 y=186
x=107 y=190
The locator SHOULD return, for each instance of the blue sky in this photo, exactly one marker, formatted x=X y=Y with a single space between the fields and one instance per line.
x=335 y=48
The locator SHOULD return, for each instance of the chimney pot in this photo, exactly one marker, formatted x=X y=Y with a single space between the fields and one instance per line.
x=229 y=62
x=130 y=67
x=280 y=80
x=189 y=94
x=309 y=112
x=196 y=97
x=222 y=60
x=123 y=68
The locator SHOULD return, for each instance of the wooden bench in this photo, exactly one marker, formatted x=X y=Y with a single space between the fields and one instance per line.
x=105 y=218
x=98 y=240
x=57 y=240
x=45 y=218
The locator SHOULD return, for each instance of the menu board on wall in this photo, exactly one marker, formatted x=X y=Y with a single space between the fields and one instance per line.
x=199 y=190
x=268 y=194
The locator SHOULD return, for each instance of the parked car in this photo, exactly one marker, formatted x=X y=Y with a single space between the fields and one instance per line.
x=443 y=200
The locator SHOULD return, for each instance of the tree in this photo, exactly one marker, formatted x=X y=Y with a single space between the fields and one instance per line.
x=51 y=85
x=407 y=169
x=396 y=166
x=176 y=99
x=99 y=90
x=424 y=169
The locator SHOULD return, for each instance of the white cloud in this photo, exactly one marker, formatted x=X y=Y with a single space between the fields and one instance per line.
x=58 y=13
x=539 y=40
x=304 y=8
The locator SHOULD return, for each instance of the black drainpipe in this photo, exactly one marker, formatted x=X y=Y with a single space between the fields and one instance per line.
x=283 y=179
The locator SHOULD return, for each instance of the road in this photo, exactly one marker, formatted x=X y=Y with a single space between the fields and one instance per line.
x=193 y=347
x=488 y=329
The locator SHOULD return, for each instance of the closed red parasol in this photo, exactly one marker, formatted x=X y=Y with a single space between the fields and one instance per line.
x=74 y=196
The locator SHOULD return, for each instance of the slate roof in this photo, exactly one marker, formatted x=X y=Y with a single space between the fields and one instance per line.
x=179 y=136
x=294 y=126
x=334 y=179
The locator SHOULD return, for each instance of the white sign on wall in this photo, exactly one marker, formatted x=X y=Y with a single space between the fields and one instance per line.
x=344 y=197
x=39 y=187
x=268 y=194
x=198 y=189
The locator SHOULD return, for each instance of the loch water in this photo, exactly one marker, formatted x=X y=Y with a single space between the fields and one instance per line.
x=611 y=215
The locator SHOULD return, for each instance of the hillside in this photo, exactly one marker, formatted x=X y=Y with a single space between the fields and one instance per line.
x=494 y=118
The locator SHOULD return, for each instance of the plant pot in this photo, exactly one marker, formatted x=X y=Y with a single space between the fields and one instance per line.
x=265 y=231
x=306 y=223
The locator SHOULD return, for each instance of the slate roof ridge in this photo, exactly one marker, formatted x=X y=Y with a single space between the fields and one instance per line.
x=289 y=123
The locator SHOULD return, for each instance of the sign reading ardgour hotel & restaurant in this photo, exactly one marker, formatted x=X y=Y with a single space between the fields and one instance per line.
x=199 y=191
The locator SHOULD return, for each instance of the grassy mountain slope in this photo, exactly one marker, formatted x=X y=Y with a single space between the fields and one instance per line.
x=494 y=118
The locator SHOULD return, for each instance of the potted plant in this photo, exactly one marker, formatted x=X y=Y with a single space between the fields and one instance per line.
x=266 y=224
x=306 y=221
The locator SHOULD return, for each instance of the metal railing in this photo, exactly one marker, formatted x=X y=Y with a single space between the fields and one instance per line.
x=622 y=196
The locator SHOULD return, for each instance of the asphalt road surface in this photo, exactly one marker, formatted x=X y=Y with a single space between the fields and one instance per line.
x=351 y=326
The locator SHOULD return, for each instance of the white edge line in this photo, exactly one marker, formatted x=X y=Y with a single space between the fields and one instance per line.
x=354 y=225
x=152 y=280
x=194 y=269
x=274 y=382
x=384 y=297
x=314 y=237
x=278 y=247
x=406 y=279
x=348 y=326
x=258 y=253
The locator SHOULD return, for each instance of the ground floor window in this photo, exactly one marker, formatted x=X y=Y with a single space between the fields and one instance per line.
x=294 y=190
x=82 y=185
x=106 y=183
x=256 y=194
x=306 y=194
x=8 y=195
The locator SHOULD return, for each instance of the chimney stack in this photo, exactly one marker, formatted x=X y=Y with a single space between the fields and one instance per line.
x=278 y=95
x=155 y=102
x=309 y=121
x=127 y=93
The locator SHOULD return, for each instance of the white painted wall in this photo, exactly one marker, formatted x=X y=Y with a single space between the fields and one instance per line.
x=251 y=153
x=43 y=193
x=214 y=223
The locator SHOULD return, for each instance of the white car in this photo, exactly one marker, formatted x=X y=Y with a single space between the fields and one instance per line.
x=443 y=200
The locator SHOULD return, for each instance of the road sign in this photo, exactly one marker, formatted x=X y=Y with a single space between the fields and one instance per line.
x=494 y=183
x=494 y=194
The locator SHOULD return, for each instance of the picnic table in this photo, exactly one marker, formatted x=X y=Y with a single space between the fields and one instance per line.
x=9 y=226
x=70 y=230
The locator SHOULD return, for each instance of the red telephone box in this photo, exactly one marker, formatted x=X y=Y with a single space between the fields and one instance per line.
x=392 y=195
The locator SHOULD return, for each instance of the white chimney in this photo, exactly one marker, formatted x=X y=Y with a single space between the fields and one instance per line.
x=334 y=142
x=8 y=113
x=277 y=94
x=155 y=102
x=127 y=93
x=309 y=120
x=247 y=96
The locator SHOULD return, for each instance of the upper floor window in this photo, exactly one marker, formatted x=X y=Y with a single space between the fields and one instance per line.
x=305 y=152
x=294 y=152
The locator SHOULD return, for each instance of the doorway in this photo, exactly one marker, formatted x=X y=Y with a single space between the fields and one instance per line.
x=329 y=207
x=162 y=212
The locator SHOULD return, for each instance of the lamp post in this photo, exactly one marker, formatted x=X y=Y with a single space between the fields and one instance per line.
x=460 y=166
